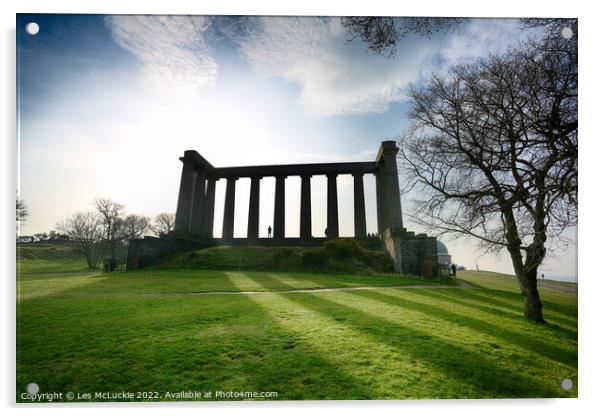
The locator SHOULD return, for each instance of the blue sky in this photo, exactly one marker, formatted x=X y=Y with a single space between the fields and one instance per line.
x=107 y=104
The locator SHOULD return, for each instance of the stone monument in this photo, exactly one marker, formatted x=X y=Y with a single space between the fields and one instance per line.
x=412 y=254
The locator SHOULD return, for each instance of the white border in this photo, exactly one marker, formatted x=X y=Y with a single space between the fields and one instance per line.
x=590 y=347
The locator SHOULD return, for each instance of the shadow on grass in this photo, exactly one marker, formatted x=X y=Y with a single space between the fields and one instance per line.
x=155 y=343
x=483 y=372
x=466 y=298
x=517 y=297
x=459 y=296
x=531 y=343
x=480 y=370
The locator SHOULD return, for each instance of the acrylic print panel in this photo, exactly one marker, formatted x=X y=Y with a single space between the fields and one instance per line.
x=219 y=208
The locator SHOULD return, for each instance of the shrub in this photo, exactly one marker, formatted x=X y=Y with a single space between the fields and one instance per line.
x=343 y=248
x=379 y=261
x=314 y=257
x=281 y=255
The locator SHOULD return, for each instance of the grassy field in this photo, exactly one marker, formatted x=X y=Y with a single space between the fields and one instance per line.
x=48 y=258
x=163 y=330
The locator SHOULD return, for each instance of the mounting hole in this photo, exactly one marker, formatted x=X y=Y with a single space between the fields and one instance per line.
x=32 y=388
x=566 y=32
x=566 y=384
x=32 y=28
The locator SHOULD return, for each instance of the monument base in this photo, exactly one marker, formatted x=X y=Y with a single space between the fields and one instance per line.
x=149 y=250
x=413 y=254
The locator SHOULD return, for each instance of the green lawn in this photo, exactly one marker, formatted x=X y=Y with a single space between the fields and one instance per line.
x=48 y=258
x=156 y=330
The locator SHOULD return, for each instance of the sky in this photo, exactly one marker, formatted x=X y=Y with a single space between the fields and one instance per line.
x=107 y=105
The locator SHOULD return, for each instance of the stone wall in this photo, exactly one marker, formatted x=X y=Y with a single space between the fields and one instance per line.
x=413 y=254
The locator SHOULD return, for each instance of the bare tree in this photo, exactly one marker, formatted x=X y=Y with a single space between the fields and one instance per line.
x=111 y=214
x=164 y=223
x=22 y=212
x=492 y=153
x=85 y=233
x=133 y=226
x=382 y=34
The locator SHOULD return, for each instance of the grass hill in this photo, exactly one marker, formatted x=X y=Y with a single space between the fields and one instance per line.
x=338 y=256
x=342 y=256
x=49 y=257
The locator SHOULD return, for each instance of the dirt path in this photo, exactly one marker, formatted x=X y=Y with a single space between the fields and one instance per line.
x=462 y=285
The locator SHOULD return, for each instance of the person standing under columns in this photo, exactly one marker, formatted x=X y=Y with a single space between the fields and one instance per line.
x=269 y=231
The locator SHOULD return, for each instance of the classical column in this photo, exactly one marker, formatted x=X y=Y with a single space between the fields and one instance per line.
x=185 y=195
x=196 y=223
x=359 y=206
x=209 y=208
x=279 y=207
x=379 y=205
x=332 y=228
x=305 y=220
x=228 y=225
x=253 y=223
x=387 y=158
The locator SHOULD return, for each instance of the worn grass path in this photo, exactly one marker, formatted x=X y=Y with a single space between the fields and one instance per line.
x=460 y=285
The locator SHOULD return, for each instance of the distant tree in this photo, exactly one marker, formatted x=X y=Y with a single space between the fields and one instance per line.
x=22 y=212
x=111 y=215
x=41 y=236
x=84 y=232
x=164 y=223
x=492 y=153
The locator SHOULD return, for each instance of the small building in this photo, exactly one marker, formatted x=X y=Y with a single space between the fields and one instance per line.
x=443 y=256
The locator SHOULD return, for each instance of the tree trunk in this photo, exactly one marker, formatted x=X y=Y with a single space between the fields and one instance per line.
x=533 y=310
x=527 y=280
x=89 y=261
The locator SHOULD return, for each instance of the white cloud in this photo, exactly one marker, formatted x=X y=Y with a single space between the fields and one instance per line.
x=172 y=49
x=484 y=36
x=335 y=77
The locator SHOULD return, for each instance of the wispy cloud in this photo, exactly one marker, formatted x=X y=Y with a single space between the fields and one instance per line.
x=172 y=48
x=335 y=77
x=481 y=37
